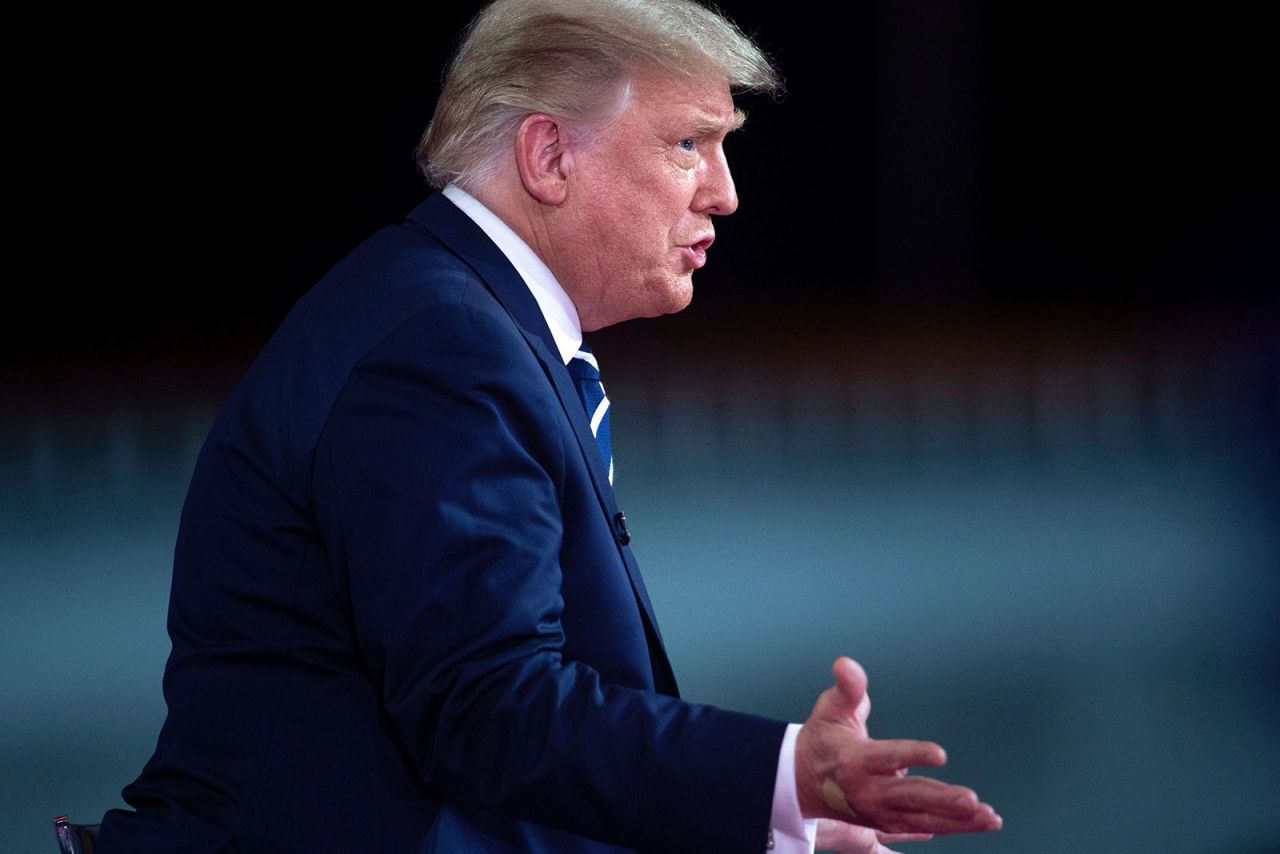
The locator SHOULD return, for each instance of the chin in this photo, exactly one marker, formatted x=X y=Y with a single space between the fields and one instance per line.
x=682 y=303
x=679 y=296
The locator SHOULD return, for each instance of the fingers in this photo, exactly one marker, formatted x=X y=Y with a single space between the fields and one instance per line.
x=982 y=821
x=892 y=756
x=841 y=773
x=833 y=835
x=920 y=805
x=915 y=794
x=848 y=838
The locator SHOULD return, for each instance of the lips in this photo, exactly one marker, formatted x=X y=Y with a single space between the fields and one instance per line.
x=696 y=252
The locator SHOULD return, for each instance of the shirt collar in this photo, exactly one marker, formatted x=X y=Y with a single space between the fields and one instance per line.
x=557 y=309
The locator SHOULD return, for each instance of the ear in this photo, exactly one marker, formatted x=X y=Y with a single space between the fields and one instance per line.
x=542 y=158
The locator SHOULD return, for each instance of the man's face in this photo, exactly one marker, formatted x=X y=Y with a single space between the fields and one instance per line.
x=641 y=196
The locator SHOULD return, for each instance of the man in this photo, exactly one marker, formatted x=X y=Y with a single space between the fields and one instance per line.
x=404 y=613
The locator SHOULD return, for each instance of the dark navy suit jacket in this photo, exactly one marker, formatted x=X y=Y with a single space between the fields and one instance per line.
x=403 y=616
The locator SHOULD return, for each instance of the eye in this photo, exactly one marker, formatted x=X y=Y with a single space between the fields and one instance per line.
x=687 y=144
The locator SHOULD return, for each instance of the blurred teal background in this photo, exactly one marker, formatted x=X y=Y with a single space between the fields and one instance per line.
x=1053 y=540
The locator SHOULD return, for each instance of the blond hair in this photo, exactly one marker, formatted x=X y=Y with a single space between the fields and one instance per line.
x=572 y=59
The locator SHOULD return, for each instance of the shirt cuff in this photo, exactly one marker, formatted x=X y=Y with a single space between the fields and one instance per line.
x=789 y=832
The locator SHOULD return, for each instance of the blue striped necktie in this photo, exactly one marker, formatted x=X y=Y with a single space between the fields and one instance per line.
x=586 y=377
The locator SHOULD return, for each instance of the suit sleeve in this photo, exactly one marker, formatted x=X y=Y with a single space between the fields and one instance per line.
x=437 y=481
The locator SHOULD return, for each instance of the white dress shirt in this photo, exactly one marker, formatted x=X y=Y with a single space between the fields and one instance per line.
x=790 y=832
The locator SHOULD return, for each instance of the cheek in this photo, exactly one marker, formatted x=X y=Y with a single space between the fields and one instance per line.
x=642 y=229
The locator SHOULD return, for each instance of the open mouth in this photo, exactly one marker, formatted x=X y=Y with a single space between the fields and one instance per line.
x=697 y=251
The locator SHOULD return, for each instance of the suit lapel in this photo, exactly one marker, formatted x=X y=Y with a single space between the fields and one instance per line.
x=456 y=231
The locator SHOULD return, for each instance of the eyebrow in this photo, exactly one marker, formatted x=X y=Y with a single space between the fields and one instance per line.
x=711 y=126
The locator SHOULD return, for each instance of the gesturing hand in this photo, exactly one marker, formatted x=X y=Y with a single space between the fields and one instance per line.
x=844 y=775
x=846 y=838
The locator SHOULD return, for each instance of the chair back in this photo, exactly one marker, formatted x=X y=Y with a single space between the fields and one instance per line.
x=75 y=838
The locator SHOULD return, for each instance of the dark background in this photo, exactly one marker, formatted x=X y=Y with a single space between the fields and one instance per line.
x=196 y=181
x=980 y=385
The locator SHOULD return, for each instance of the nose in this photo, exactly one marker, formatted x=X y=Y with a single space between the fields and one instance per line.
x=716 y=193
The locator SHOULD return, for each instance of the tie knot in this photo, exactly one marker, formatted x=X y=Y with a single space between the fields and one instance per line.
x=583 y=365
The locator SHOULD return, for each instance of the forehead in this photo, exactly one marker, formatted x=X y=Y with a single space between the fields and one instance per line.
x=688 y=104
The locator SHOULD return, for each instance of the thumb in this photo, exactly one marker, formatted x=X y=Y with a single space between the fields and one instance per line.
x=847 y=701
x=851 y=680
